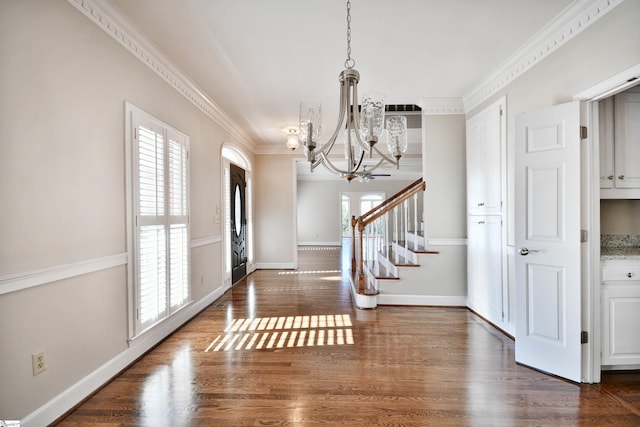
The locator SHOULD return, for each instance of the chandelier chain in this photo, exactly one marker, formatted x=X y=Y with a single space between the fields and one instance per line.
x=349 y=62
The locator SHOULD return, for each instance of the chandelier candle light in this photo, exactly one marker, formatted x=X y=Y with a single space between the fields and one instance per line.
x=362 y=128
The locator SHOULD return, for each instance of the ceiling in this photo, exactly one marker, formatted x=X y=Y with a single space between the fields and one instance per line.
x=257 y=59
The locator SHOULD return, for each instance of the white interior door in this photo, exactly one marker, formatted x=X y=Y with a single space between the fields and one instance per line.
x=547 y=238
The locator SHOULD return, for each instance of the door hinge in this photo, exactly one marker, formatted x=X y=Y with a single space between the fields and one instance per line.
x=584 y=236
x=584 y=337
x=583 y=132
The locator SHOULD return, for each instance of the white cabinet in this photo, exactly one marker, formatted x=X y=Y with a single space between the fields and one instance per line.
x=619 y=137
x=485 y=162
x=487 y=293
x=484 y=267
x=621 y=315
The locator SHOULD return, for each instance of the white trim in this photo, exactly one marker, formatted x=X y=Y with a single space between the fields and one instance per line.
x=611 y=86
x=204 y=241
x=111 y=21
x=570 y=22
x=446 y=242
x=63 y=402
x=423 y=300
x=275 y=266
x=441 y=106
x=320 y=243
x=30 y=279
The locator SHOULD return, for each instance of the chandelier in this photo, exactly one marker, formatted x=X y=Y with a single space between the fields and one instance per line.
x=362 y=127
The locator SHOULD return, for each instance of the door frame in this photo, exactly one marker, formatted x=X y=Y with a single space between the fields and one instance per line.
x=231 y=154
x=590 y=212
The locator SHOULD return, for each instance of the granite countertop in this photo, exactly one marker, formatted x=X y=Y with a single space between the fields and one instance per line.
x=620 y=247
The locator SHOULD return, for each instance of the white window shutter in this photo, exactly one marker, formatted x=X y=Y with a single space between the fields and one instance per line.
x=161 y=176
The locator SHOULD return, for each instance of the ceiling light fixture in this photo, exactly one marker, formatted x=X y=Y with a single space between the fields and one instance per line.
x=292 y=139
x=362 y=127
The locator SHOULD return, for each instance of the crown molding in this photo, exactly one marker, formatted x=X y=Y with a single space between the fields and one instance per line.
x=111 y=21
x=569 y=23
x=441 y=106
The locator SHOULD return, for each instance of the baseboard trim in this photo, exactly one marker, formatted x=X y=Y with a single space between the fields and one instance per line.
x=72 y=396
x=319 y=244
x=275 y=266
x=423 y=300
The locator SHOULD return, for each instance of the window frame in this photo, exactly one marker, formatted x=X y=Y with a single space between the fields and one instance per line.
x=176 y=219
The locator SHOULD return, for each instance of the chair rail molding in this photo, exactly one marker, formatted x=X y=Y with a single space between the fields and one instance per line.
x=30 y=279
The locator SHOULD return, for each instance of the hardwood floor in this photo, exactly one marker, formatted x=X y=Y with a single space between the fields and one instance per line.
x=394 y=366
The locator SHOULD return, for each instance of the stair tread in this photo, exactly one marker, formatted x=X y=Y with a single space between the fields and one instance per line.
x=417 y=249
x=400 y=262
x=382 y=273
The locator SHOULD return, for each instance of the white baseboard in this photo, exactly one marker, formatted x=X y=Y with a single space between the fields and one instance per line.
x=65 y=401
x=319 y=243
x=275 y=266
x=423 y=300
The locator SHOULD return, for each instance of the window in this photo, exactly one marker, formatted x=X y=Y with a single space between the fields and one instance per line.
x=345 y=215
x=159 y=182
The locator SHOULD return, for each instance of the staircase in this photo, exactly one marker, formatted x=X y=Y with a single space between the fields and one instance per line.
x=389 y=251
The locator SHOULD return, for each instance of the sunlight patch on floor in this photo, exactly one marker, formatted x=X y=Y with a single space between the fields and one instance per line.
x=285 y=332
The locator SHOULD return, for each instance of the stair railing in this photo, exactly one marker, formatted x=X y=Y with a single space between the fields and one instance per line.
x=373 y=230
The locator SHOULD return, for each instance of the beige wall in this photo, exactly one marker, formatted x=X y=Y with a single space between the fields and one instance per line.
x=275 y=212
x=444 y=165
x=619 y=216
x=64 y=83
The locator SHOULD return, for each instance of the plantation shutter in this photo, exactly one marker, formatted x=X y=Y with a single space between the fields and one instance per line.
x=162 y=222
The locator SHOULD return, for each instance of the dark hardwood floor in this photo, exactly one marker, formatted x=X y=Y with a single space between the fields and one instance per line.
x=287 y=348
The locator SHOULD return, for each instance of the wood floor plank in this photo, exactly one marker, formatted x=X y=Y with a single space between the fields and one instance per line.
x=403 y=366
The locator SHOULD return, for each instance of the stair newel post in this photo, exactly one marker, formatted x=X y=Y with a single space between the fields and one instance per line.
x=354 y=221
x=361 y=284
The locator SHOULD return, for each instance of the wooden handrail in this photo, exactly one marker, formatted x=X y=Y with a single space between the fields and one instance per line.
x=392 y=198
x=398 y=200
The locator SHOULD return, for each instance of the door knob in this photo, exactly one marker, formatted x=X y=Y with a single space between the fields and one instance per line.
x=525 y=251
x=621 y=177
x=610 y=177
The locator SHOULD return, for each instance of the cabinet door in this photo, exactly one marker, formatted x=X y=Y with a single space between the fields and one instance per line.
x=627 y=140
x=484 y=266
x=605 y=124
x=620 y=320
x=484 y=162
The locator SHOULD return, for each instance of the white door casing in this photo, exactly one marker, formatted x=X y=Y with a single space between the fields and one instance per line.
x=547 y=239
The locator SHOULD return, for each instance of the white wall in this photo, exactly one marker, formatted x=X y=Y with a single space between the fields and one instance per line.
x=64 y=83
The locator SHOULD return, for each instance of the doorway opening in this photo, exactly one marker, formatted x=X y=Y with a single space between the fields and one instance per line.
x=238 y=215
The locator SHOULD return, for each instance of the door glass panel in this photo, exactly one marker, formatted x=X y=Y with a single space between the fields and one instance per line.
x=238 y=209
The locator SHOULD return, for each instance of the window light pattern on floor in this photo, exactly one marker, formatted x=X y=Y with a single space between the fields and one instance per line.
x=270 y=333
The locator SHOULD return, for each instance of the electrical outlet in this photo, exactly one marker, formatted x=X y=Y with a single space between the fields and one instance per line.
x=39 y=362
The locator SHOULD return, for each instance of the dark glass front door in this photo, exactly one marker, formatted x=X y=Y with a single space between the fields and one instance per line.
x=238 y=224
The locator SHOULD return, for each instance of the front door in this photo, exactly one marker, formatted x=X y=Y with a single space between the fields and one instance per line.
x=547 y=239
x=238 y=223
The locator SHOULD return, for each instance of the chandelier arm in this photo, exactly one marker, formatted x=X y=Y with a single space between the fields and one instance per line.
x=328 y=146
x=332 y=168
x=385 y=157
